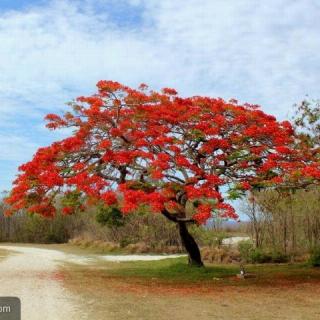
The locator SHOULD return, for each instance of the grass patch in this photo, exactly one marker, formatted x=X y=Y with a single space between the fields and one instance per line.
x=170 y=270
x=177 y=272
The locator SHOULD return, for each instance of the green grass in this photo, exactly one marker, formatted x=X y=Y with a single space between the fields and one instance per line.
x=178 y=271
x=171 y=270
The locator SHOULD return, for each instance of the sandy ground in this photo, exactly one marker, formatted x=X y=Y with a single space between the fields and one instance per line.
x=133 y=257
x=32 y=274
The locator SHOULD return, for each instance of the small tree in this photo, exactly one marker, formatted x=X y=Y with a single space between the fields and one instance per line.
x=140 y=148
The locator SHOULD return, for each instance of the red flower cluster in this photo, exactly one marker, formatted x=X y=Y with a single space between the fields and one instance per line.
x=203 y=214
x=138 y=147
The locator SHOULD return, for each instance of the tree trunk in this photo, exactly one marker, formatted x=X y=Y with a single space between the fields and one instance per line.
x=190 y=245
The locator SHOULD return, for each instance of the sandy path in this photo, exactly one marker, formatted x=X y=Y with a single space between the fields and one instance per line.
x=136 y=257
x=32 y=274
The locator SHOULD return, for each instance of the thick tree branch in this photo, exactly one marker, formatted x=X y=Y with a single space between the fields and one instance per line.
x=176 y=219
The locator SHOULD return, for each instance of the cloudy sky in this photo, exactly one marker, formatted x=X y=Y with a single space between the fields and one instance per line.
x=262 y=52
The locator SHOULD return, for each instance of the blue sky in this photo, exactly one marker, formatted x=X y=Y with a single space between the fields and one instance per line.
x=17 y=4
x=263 y=52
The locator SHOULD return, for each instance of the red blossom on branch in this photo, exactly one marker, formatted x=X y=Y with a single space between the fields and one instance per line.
x=134 y=148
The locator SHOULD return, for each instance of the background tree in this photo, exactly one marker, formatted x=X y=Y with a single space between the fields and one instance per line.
x=133 y=149
x=284 y=219
x=307 y=119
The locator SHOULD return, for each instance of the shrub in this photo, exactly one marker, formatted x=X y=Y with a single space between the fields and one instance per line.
x=256 y=255
x=245 y=248
x=279 y=257
x=314 y=259
x=259 y=256
x=125 y=242
x=110 y=216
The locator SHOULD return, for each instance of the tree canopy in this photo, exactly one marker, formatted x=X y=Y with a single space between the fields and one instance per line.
x=178 y=156
x=133 y=148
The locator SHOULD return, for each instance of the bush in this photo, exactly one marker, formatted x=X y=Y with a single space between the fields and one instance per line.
x=262 y=256
x=110 y=216
x=125 y=242
x=245 y=248
x=314 y=259
x=279 y=257
x=259 y=256
x=256 y=255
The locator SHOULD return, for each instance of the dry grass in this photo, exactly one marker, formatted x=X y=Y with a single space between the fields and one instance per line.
x=100 y=246
x=220 y=255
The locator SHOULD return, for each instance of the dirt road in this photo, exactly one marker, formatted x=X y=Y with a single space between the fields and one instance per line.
x=33 y=275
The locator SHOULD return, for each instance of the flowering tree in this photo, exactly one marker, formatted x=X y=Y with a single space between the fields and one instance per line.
x=173 y=155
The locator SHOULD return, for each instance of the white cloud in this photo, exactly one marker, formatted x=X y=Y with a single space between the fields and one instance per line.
x=15 y=148
x=264 y=52
x=259 y=52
